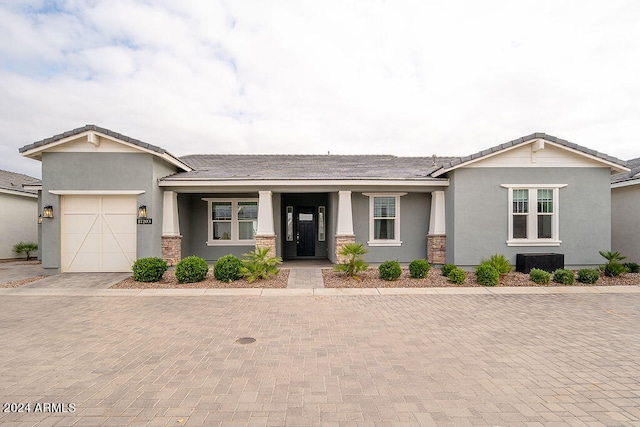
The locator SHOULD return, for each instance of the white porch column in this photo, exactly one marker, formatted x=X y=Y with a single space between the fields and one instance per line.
x=170 y=224
x=171 y=238
x=437 y=239
x=436 y=220
x=344 y=226
x=265 y=235
x=265 y=214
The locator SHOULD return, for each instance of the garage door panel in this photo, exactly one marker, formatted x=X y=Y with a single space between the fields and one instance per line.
x=98 y=233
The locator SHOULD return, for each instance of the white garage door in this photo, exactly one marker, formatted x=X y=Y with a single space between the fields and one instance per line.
x=98 y=233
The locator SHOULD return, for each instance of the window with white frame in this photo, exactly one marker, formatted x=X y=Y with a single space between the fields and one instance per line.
x=232 y=221
x=384 y=219
x=533 y=215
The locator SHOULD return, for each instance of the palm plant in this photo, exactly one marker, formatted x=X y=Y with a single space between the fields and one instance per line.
x=258 y=265
x=354 y=263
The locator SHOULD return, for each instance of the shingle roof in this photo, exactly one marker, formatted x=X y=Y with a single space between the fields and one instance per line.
x=94 y=128
x=551 y=138
x=262 y=167
x=15 y=181
x=634 y=174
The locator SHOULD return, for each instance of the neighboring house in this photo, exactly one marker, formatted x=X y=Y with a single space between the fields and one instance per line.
x=625 y=212
x=534 y=194
x=18 y=212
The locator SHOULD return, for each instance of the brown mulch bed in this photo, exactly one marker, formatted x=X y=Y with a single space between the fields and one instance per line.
x=370 y=279
x=18 y=283
x=169 y=281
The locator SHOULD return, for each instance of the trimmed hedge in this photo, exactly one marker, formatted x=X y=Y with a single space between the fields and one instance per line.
x=487 y=274
x=191 y=269
x=457 y=276
x=566 y=277
x=419 y=268
x=390 y=270
x=588 y=275
x=149 y=269
x=632 y=267
x=540 y=277
x=227 y=268
x=446 y=269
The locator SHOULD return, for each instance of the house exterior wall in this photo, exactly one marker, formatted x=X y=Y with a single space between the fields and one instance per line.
x=414 y=226
x=478 y=213
x=18 y=223
x=625 y=224
x=101 y=171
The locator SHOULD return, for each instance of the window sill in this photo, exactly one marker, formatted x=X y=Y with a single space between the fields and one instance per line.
x=384 y=243
x=231 y=243
x=523 y=242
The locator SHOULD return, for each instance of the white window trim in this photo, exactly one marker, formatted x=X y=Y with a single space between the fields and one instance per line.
x=532 y=218
x=385 y=242
x=235 y=228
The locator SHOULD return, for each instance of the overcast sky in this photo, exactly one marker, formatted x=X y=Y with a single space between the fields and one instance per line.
x=350 y=77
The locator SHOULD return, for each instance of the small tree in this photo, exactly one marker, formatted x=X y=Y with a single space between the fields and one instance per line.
x=355 y=262
x=26 y=248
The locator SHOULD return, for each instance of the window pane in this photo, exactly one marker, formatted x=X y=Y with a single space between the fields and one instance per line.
x=520 y=226
x=247 y=229
x=222 y=230
x=384 y=207
x=247 y=210
x=221 y=210
x=544 y=226
x=545 y=201
x=520 y=201
x=383 y=229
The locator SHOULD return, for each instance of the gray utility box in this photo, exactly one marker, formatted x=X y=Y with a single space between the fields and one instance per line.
x=546 y=262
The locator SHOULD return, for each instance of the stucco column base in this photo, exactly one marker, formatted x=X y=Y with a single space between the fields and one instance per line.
x=437 y=248
x=267 y=241
x=172 y=249
x=342 y=240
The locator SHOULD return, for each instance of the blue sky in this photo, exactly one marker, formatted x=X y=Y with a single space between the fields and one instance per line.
x=350 y=77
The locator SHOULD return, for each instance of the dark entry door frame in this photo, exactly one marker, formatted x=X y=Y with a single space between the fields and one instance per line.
x=305 y=221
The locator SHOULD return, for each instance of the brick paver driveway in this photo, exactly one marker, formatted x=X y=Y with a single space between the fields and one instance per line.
x=363 y=360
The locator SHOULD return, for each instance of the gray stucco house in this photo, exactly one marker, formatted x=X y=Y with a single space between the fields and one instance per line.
x=625 y=211
x=115 y=199
x=18 y=212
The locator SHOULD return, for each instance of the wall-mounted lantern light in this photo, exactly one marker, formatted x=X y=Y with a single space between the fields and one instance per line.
x=142 y=211
x=47 y=212
x=39 y=219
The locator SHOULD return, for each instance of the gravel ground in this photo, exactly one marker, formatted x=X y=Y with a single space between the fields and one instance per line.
x=169 y=281
x=18 y=283
x=370 y=279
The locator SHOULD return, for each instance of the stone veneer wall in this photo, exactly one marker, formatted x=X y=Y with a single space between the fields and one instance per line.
x=340 y=242
x=436 y=249
x=172 y=249
x=267 y=242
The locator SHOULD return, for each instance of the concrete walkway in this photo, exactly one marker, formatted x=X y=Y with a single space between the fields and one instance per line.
x=305 y=278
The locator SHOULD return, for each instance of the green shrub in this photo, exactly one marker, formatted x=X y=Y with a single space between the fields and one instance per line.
x=457 y=276
x=446 y=269
x=258 y=265
x=390 y=270
x=26 y=248
x=191 y=269
x=566 y=277
x=227 y=268
x=487 y=274
x=419 y=268
x=540 y=277
x=500 y=263
x=149 y=269
x=588 y=275
x=613 y=267
x=632 y=267
x=354 y=261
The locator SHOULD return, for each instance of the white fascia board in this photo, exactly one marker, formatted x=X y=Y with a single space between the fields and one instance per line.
x=35 y=152
x=626 y=183
x=33 y=187
x=533 y=185
x=477 y=159
x=96 y=192
x=18 y=193
x=612 y=165
x=304 y=183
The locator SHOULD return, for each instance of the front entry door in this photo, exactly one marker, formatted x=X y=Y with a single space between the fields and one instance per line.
x=306 y=226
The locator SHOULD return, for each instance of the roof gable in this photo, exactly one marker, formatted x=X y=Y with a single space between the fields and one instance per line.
x=536 y=150
x=91 y=138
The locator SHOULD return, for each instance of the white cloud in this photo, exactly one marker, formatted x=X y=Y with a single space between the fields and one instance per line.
x=402 y=77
